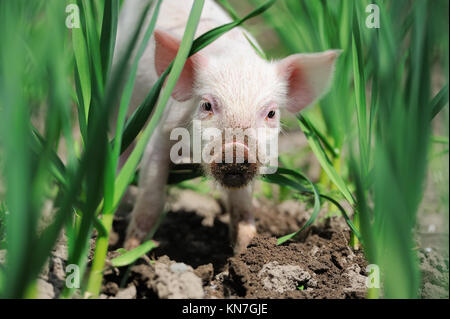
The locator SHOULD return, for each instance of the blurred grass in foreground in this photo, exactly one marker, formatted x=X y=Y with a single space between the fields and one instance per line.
x=371 y=133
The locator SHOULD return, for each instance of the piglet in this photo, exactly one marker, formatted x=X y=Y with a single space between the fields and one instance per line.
x=226 y=87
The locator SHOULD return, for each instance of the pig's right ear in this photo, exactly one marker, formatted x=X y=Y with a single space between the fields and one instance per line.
x=166 y=48
x=308 y=77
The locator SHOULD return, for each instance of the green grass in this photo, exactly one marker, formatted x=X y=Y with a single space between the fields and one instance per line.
x=372 y=133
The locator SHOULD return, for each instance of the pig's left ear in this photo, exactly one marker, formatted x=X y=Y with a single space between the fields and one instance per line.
x=166 y=48
x=308 y=77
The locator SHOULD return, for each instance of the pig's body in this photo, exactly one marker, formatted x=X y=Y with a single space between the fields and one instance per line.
x=225 y=85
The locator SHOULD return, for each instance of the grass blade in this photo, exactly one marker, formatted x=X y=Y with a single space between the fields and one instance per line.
x=131 y=256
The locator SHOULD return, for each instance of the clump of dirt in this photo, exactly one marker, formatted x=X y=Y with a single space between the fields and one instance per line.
x=162 y=278
x=173 y=280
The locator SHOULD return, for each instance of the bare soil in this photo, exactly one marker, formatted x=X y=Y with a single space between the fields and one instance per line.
x=194 y=252
x=194 y=258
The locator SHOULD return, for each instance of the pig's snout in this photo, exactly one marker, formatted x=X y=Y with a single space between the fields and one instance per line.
x=237 y=166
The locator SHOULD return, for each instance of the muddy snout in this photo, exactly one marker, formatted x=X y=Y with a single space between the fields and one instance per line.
x=236 y=167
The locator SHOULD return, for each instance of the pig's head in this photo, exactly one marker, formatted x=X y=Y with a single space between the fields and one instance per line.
x=237 y=98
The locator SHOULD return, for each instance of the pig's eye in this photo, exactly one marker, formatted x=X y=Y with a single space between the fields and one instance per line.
x=207 y=106
x=271 y=114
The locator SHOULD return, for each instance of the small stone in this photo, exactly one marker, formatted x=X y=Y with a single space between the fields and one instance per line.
x=179 y=267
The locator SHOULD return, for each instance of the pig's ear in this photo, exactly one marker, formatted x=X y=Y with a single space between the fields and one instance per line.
x=166 y=48
x=308 y=77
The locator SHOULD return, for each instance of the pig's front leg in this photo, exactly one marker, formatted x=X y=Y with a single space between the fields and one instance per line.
x=152 y=191
x=242 y=222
